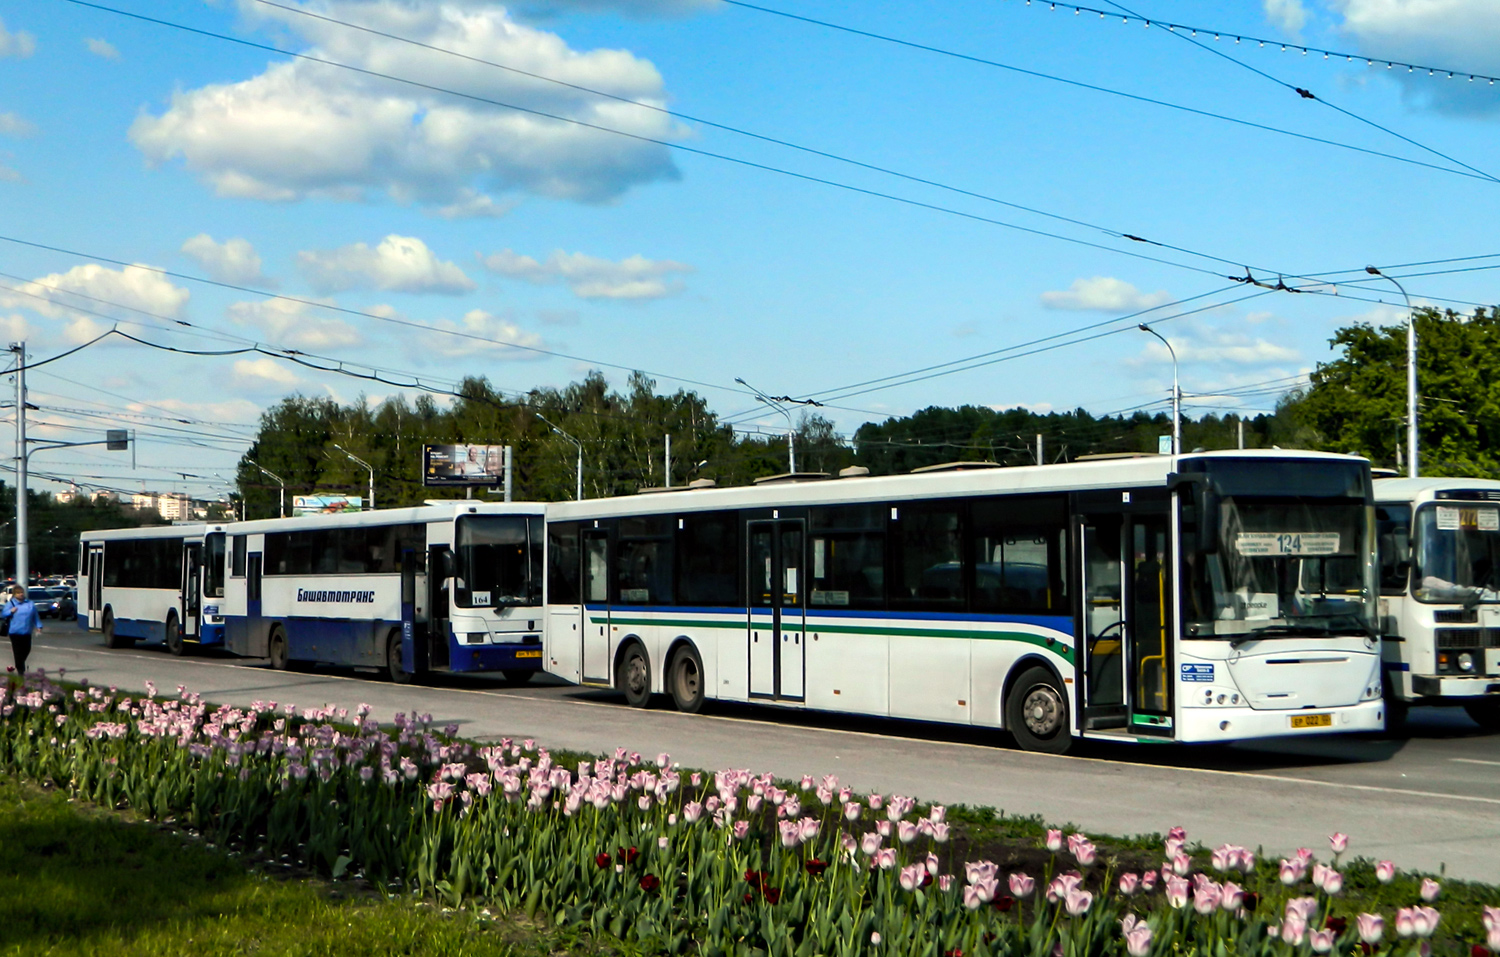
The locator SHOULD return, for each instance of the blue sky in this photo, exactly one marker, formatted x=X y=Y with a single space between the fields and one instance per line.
x=142 y=144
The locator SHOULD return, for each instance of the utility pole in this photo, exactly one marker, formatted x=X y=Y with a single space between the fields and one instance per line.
x=1242 y=433
x=281 y=508
x=1176 y=390
x=1039 y=459
x=668 y=465
x=23 y=543
x=367 y=466
x=791 y=429
x=507 y=461
x=1411 y=373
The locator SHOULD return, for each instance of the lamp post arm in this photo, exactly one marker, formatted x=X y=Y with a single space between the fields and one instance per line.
x=1176 y=390
x=1411 y=373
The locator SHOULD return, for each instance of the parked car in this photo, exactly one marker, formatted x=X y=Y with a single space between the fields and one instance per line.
x=54 y=602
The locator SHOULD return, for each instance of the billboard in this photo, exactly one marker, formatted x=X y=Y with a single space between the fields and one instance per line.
x=326 y=504
x=463 y=465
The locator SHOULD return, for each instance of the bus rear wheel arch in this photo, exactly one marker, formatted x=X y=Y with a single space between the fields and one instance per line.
x=173 y=635
x=633 y=674
x=393 y=667
x=1037 y=712
x=278 y=650
x=112 y=638
x=685 y=678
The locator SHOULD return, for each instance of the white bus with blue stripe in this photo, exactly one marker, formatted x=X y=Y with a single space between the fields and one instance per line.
x=161 y=583
x=445 y=587
x=1206 y=597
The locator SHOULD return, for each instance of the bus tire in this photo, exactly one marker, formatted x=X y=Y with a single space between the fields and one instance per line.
x=635 y=676
x=685 y=680
x=1036 y=712
x=1486 y=714
x=514 y=677
x=172 y=635
x=111 y=638
x=277 y=650
x=393 y=669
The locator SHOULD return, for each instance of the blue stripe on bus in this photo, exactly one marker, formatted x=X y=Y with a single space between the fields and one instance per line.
x=1061 y=623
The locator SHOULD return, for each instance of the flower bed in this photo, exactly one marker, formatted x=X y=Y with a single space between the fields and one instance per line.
x=683 y=862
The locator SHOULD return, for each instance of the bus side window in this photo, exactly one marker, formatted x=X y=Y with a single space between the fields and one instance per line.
x=708 y=558
x=237 y=556
x=1393 y=526
x=847 y=556
x=928 y=540
x=563 y=564
x=1018 y=555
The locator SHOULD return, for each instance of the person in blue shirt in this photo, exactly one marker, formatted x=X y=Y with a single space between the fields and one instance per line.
x=20 y=616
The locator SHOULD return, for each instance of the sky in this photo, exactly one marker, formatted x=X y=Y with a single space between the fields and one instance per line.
x=830 y=201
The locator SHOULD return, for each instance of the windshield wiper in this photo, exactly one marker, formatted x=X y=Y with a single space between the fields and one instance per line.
x=1278 y=631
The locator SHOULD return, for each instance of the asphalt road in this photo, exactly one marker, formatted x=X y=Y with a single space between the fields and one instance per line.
x=1426 y=798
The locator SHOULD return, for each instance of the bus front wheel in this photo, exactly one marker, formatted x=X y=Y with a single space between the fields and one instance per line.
x=113 y=639
x=1037 y=713
x=277 y=650
x=685 y=680
x=173 y=636
x=635 y=676
x=514 y=677
x=1486 y=714
x=393 y=667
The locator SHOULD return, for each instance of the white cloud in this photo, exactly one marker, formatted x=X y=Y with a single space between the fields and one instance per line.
x=303 y=129
x=18 y=44
x=294 y=325
x=1459 y=34
x=398 y=264
x=264 y=375
x=637 y=9
x=114 y=294
x=1103 y=294
x=497 y=337
x=101 y=48
x=472 y=204
x=590 y=277
x=229 y=412
x=1288 y=15
x=233 y=261
x=13 y=125
x=1217 y=346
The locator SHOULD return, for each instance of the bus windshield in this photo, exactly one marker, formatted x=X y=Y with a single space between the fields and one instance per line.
x=1457 y=552
x=498 y=561
x=213 y=565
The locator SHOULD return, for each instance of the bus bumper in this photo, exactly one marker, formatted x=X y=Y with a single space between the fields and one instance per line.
x=210 y=636
x=1199 y=725
x=495 y=658
x=1450 y=686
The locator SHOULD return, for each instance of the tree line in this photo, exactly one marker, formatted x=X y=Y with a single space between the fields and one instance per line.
x=1352 y=403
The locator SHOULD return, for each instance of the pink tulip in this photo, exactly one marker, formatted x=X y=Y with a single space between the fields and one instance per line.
x=1430 y=889
x=1078 y=902
x=1129 y=884
x=931 y=864
x=1177 y=892
x=1293 y=930
x=1339 y=842
x=1021 y=886
x=1138 y=940
x=1305 y=855
x=1385 y=871
x=1207 y=897
x=945 y=882
x=911 y=877
x=1424 y=920
x=1405 y=922
x=875 y=802
x=1233 y=897
x=1174 y=847
x=1302 y=908
x=1222 y=859
x=870 y=843
x=883 y=828
x=975 y=871
x=1181 y=865
x=1054 y=840
x=809 y=828
x=692 y=811
x=1148 y=881
x=807 y=782
x=1321 y=941
x=937 y=814
x=852 y=811
x=1085 y=852
x=1292 y=871
x=1491 y=918
x=940 y=833
x=971 y=897
x=1333 y=881
x=906 y=832
x=885 y=858
x=1371 y=927
x=1177 y=833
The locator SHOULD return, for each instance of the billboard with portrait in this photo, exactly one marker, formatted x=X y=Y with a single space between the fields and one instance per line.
x=463 y=465
x=326 y=504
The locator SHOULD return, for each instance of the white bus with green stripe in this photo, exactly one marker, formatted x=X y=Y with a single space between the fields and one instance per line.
x=1196 y=598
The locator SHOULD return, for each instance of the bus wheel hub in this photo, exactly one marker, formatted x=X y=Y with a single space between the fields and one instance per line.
x=1043 y=710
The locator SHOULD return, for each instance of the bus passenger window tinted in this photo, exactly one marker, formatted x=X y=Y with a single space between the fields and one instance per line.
x=213 y=565
x=237 y=556
x=1018 y=555
x=144 y=563
x=847 y=556
x=708 y=549
x=643 y=560
x=930 y=557
x=563 y=567
x=1393 y=525
x=362 y=549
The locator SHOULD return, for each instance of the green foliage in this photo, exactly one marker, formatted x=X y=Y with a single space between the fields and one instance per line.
x=1357 y=403
x=55 y=527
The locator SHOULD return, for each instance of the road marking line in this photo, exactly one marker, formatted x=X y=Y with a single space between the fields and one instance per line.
x=886 y=737
x=1493 y=764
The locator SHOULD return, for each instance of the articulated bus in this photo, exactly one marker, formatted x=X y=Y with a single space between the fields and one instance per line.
x=1440 y=588
x=1196 y=598
x=153 y=584
x=446 y=587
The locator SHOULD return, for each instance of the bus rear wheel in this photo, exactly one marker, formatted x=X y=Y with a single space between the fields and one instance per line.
x=1036 y=712
x=277 y=650
x=1486 y=714
x=514 y=677
x=635 y=676
x=112 y=639
x=393 y=668
x=685 y=680
x=173 y=637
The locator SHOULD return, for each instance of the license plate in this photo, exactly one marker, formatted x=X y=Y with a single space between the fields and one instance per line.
x=1312 y=720
x=538 y=654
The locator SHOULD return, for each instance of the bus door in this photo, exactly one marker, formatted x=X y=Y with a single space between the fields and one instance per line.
x=777 y=609
x=192 y=589
x=593 y=655
x=440 y=573
x=1125 y=648
x=95 y=597
x=258 y=635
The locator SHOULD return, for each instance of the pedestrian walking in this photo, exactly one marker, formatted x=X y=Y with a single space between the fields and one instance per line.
x=21 y=620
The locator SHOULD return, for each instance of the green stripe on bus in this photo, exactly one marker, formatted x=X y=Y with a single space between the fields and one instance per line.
x=1050 y=644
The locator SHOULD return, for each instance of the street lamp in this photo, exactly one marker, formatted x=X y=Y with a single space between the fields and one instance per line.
x=1411 y=374
x=281 y=509
x=1176 y=390
x=791 y=448
x=578 y=494
x=362 y=462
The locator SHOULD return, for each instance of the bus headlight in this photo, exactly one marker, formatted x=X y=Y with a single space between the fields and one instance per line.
x=1466 y=661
